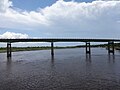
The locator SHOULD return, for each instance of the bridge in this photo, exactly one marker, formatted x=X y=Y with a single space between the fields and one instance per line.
x=52 y=40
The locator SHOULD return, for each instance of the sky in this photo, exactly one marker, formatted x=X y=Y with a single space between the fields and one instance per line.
x=60 y=19
x=30 y=5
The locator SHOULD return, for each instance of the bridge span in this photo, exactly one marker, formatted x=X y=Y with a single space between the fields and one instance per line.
x=52 y=40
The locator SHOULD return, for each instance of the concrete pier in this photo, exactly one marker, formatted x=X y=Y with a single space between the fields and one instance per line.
x=9 y=51
x=111 y=47
x=52 y=48
x=88 y=49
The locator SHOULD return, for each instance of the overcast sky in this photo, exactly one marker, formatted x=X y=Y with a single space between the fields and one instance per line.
x=60 y=18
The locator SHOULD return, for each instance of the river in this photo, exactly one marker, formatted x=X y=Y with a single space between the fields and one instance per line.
x=69 y=69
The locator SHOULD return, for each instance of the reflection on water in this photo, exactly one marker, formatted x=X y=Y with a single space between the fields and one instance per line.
x=111 y=58
x=9 y=60
x=68 y=69
x=52 y=60
x=8 y=66
x=88 y=58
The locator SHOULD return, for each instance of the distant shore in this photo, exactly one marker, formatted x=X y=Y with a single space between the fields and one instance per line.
x=16 y=49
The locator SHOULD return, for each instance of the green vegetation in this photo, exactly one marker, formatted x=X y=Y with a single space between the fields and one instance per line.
x=15 y=49
x=116 y=45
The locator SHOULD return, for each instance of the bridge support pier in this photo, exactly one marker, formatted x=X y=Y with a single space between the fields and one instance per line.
x=88 y=50
x=111 y=47
x=52 y=48
x=9 y=54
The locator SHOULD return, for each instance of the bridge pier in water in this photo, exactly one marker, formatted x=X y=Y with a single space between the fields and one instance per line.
x=111 y=47
x=9 y=51
x=87 y=42
x=88 y=49
x=52 y=48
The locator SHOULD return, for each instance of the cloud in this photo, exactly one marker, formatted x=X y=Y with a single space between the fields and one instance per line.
x=107 y=0
x=4 y=5
x=65 y=19
x=12 y=35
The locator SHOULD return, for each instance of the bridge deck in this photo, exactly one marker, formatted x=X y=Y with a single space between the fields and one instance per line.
x=58 y=40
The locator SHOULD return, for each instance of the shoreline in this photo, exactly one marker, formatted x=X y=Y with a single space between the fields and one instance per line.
x=17 y=49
